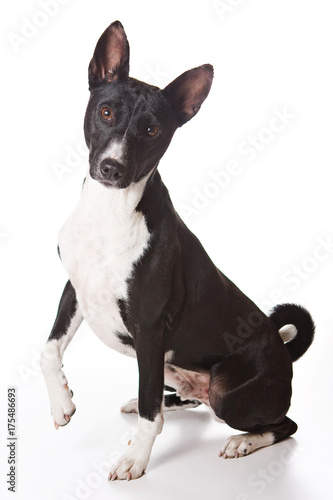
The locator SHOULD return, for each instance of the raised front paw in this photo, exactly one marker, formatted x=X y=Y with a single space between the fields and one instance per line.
x=62 y=406
x=130 y=466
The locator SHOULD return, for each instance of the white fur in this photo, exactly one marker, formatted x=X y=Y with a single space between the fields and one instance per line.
x=134 y=462
x=131 y=406
x=99 y=245
x=168 y=357
x=288 y=332
x=244 y=444
x=115 y=150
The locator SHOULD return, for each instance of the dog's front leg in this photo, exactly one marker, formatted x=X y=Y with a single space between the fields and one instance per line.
x=150 y=355
x=67 y=322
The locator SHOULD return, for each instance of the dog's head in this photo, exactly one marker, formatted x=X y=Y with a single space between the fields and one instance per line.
x=129 y=124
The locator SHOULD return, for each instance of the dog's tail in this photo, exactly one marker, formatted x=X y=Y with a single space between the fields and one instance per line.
x=299 y=333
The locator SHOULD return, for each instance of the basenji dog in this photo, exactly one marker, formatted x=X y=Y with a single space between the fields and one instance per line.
x=147 y=288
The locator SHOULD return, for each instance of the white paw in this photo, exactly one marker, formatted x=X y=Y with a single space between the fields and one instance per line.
x=130 y=466
x=130 y=407
x=62 y=406
x=244 y=444
x=237 y=446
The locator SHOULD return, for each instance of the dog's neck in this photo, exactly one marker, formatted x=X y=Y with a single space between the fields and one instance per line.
x=155 y=203
x=113 y=200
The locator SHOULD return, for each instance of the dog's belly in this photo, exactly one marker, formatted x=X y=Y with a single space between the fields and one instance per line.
x=188 y=384
x=99 y=245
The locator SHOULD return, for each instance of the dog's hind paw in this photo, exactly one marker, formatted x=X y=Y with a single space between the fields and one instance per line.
x=130 y=407
x=244 y=444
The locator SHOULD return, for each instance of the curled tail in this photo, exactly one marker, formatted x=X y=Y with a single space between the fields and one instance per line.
x=292 y=314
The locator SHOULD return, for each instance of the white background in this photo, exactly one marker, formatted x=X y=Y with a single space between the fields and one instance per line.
x=274 y=214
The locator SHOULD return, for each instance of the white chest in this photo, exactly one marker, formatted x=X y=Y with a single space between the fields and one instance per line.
x=99 y=245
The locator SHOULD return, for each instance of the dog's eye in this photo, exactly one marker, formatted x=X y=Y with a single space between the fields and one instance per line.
x=152 y=130
x=106 y=113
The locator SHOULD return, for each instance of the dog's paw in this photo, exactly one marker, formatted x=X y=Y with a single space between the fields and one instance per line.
x=244 y=444
x=236 y=446
x=62 y=406
x=132 y=465
x=130 y=407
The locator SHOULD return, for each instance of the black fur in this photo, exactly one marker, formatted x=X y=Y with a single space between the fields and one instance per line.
x=66 y=311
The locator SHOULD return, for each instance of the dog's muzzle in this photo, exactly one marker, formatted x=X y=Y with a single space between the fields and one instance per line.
x=112 y=171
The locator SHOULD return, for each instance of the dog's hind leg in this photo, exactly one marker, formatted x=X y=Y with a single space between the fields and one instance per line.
x=253 y=400
x=243 y=444
x=66 y=324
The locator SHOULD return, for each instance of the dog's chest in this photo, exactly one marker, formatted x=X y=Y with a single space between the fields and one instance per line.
x=99 y=245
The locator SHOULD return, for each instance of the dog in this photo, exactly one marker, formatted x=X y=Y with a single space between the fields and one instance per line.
x=147 y=288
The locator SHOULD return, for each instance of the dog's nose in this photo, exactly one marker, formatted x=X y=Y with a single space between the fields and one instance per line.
x=111 y=170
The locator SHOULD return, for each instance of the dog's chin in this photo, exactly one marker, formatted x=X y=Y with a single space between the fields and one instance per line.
x=116 y=184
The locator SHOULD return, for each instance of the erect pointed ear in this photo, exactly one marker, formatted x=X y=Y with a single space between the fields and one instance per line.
x=110 y=61
x=187 y=92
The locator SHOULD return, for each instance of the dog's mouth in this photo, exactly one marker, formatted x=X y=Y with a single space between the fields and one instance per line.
x=120 y=183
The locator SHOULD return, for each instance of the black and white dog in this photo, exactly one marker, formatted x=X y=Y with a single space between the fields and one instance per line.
x=146 y=286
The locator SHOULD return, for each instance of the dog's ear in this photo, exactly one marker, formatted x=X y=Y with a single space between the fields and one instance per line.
x=187 y=92
x=110 y=62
